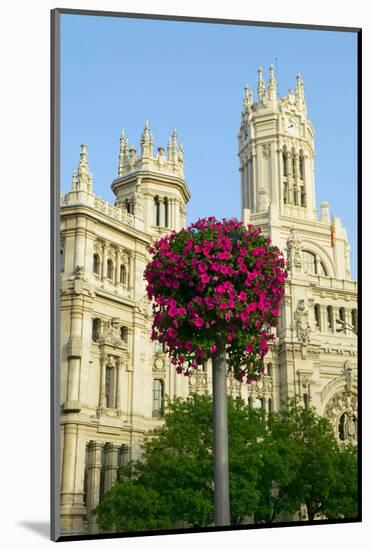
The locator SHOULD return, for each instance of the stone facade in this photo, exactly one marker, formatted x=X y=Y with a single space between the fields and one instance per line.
x=114 y=380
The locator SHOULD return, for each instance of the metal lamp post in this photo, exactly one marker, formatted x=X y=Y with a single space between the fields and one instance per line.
x=220 y=436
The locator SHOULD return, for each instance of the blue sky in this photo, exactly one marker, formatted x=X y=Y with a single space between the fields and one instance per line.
x=118 y=72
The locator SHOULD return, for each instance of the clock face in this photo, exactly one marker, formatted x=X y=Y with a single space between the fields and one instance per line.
x=292 y=126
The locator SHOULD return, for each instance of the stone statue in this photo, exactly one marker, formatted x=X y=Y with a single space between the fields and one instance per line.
x=349 y=427
x=294 y=250
x=347 y=371
x=303 y=329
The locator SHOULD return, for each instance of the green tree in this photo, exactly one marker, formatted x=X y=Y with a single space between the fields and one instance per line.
x=277 y=462
x=324 y=475
x=131 y=506
x=177 y=465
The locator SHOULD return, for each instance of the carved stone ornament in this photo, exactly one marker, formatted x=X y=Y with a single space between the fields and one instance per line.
x=348 y=375
x=341 y=410
x=159 y=363
x=79 y=272
x=301 y=322
x=294 y=250
x=111 y=333
x=233 y=386
x=262 y=387
x=198 y=382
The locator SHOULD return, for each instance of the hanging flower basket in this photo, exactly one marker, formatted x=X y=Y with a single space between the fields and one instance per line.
x=216 y=278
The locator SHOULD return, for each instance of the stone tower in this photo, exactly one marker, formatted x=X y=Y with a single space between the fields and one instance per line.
x=152 y=187
x=276 y=151
x=310 y=358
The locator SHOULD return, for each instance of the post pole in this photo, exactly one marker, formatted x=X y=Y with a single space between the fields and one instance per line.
x=220 y=437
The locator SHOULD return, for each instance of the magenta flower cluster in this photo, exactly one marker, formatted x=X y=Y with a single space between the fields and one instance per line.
x=216 y=278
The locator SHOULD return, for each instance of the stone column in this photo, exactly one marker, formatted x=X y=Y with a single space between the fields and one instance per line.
x=68 y=464
x=117 y=281
x=80 y=247
x=111 y=465
x=94 y=467
x=102 y=391
x=74 y=354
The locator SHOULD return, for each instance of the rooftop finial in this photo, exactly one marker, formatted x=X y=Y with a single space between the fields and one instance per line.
x=299 y=92
x=261 y=84
x=84 y=177
x=247 y=100
x=145 y=133
x=123 y=152
x=272 y=84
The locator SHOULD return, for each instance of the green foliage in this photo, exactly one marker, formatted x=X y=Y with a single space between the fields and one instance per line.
x=130 y=506
x=277 y=462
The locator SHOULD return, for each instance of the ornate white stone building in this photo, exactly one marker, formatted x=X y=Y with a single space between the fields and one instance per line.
x=113 y=378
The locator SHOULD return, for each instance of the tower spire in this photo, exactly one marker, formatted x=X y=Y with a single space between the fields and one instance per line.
x=248 y=99
x=84 y=177
x=272 y=84
x=122 y=153
x=261 y=85
x=299 y=93
x=145 y=140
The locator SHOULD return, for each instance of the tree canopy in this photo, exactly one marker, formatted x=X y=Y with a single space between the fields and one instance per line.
x=278 y=462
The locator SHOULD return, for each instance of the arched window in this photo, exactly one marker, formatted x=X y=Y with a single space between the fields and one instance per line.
x=110 y=387
x=284 y=161
x=302 y=196
x=330 y=317
x=110 y=269
x=293 y=161
x=313 y=264
x=128 y=206
x=95 y=329
x=157 y=398
x=309 y=261
x=317 y=316
x=301 y=165
x=285 y=198
x=96 y=264
x=122 y=274
x=157 y=211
